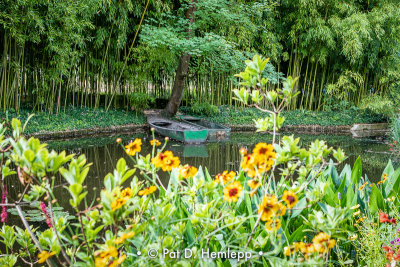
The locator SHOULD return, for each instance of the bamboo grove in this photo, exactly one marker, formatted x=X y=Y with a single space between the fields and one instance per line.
x=97 y=53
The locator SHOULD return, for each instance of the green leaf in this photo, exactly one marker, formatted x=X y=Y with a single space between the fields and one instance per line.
x=300 y=206
x=393 y=183
x=356 y=172
x=296 y=235
x=190 y=233
x=376 y=201
x=75 y=189
x=351 y=197
x=29 y=155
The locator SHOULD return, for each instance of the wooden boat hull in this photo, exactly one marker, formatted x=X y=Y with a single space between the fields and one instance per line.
x=216 y=131
x=190 y=135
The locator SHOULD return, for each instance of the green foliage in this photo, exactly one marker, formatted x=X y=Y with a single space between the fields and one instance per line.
x=395 y=127
x=378 y=105
x=242 y=116
x=75 y=118
x=76 y=53
x=141 y=101
x=203 y=108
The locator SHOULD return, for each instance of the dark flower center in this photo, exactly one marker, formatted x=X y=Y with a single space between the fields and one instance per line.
x=233 y=192
x=263 y=150
x=290 y=199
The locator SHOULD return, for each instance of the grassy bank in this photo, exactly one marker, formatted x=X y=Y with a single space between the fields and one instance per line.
x=245 y=116
x=75 y=119
x=86 y=118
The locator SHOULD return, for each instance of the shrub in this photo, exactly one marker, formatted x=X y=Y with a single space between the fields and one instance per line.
x=141 y=101
x=378 y=104
x=204 y=108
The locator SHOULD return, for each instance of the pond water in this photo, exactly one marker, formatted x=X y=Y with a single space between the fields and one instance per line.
x=104 y=152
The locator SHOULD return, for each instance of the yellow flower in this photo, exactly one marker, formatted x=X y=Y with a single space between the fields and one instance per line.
x=134 y=147
x=255 y=166
x=119 y=140
x=323 y=242
x=287 y=251
x=269 y=207
x=385 y=177
x=109 y=252
x=356 y=213
x=243 y=151
x=102 y=257
x=44 y=255
x=118 y=261
x=362 y=187
x=224 y=177
x=100 y=262
x=124 y=237
x=187 y=171
x=233 y=191
x=304 y=247
x=263 y=152
x=360 y=220
x=126 y=193
x=118 y=203
x=355 y=207
x=147 y=191
x=253 y=184
x=290 y=198
x=273 y=224
x=155 y=142
x=166 y=161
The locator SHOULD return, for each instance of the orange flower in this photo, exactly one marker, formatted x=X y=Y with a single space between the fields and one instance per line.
x=224 y=177
x=155 y=142
x=134 y=147
x=166 y=161
x=362 y=187
x=147 y=191
x=44 y=255
x=233 y=191
x=126 y=193
x=263 y=152
x=124 y=237
x=187 y=171
x=273 y=224
x=118 y=203
x=104 y=256
x=305 y=248
x=323 y=242
x=257 y=164
x=287 y=251
x=117 y=262
x=254 y=185
x=269 y=207
x=290 y=198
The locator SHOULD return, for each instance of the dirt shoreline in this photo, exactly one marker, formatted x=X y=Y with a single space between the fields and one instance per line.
x=136 y=128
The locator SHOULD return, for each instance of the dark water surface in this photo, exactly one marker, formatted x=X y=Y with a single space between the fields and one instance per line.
x=104 y=153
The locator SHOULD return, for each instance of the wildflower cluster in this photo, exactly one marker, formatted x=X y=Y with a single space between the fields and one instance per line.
x=260 y=161
x=322 y=243
x=122 y=198
x=166 y=161
x=108 y=257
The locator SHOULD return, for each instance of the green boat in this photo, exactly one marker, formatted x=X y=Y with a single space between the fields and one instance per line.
x=215 y=131
x=180 y=131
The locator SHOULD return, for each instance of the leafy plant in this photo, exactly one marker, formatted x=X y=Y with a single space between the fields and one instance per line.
x=141 y=101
